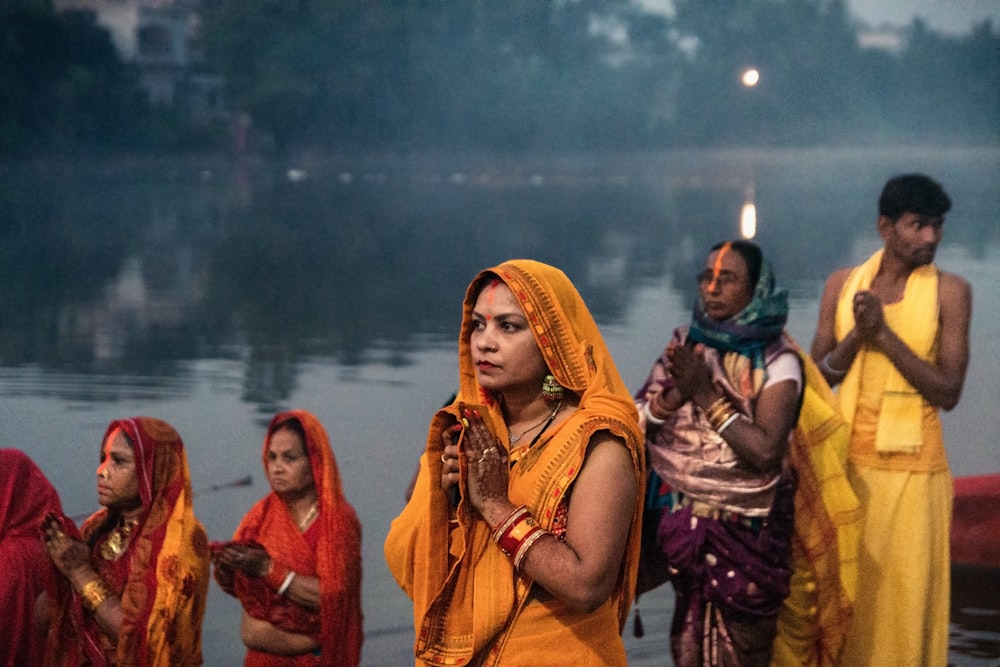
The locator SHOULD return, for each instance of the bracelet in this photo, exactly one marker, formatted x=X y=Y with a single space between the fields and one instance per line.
x=516 y=533
x=286 y=583
x=824 y=365
x=729 y=420
x=94 y=592
x=529 y=541
x=513 y=536
x=276 y=575
x=718 y=411
x=650 y=417
x=519 y=512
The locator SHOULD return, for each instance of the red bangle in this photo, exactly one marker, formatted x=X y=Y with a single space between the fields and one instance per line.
x=513 y=529
x=529 y=541
x=517 y=533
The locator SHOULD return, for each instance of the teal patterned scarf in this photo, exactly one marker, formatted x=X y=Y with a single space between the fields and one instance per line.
x=751 y=330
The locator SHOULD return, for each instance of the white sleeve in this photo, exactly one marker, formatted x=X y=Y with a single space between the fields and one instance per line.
x=785 y=366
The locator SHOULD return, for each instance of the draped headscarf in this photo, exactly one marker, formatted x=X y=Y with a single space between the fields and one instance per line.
x=461 y=608
x=336 y=559
x=161 y=579
x=749 y=332
x=26 y=496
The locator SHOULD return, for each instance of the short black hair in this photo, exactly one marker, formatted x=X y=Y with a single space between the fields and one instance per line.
x=913 y=193
x=751 y=254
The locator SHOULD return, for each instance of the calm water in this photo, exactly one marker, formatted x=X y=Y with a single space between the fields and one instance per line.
x=213 y=294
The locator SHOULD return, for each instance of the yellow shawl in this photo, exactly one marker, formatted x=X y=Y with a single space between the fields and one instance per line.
x=462 y=611
x=915 y=321
x=814 y=618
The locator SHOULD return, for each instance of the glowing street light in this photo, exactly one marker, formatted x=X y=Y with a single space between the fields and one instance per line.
x=750 y=77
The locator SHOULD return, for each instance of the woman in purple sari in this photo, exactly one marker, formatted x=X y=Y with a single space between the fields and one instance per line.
x=718 y=408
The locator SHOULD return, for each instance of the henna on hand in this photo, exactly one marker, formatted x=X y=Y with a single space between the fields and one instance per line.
x=487 y=461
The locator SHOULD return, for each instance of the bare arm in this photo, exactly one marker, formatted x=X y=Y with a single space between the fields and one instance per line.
x=825 y=341
x=582 y=570
x=763 y=441
x=262 y=636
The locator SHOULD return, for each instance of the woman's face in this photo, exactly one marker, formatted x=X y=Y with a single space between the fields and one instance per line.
x=117 y=479
x=504 y=351
x=724 y=284
x=288 y=469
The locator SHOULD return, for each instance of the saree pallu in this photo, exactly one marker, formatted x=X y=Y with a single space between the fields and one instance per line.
x=26 y=496
x=816 y=614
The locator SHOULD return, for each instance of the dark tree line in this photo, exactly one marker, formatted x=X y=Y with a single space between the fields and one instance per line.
x=518 y=75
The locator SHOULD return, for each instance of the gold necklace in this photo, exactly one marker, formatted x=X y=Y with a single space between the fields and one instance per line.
x=310 y=515
x=115 y=544
x=546 y=420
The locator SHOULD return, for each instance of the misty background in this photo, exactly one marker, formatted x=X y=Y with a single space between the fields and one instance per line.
x=281 y=78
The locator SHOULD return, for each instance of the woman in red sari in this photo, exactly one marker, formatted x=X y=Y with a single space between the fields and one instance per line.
x=295 y=560
x=135 y=578
x=26 y=496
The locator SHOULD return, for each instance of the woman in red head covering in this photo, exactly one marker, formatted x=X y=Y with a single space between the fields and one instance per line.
x=295 y=562
x=135 y=577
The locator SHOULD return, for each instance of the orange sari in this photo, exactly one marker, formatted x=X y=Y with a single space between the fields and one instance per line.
x=330 y=549
x=469 y=605
x=161 y=578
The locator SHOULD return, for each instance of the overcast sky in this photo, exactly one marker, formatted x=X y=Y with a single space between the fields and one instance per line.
x=950 y=16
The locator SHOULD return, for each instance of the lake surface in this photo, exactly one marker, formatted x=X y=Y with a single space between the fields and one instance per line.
x=213 y=293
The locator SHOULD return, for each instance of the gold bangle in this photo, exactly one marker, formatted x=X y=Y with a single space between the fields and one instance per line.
x=94 y=593
x=721 y=402
x=719 y=422
x=718 y=408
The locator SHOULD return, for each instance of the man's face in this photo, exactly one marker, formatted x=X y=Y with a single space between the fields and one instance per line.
x=913 y=237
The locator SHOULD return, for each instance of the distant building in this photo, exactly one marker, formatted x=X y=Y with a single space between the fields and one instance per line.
x=884 y=38
x=162 y=38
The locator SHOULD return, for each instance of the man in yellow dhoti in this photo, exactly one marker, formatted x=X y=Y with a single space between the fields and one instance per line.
x=894 y=333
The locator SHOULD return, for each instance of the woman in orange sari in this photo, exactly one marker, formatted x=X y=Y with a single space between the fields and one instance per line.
x=520 y=542
x=135 y=578
x=295 y=560
x=26 y=496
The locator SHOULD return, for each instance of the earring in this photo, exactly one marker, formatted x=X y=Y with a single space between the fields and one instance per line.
x=551 y=389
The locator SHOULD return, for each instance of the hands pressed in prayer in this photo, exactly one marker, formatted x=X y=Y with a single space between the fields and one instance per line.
x=253 y=560
x=691 y=374
x=869 y=317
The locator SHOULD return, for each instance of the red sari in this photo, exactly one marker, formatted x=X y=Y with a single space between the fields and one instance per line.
x=329 y=549
x=161 y=578
x=26 y=496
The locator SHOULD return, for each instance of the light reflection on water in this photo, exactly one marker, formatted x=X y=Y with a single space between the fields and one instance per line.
x=212 y=307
